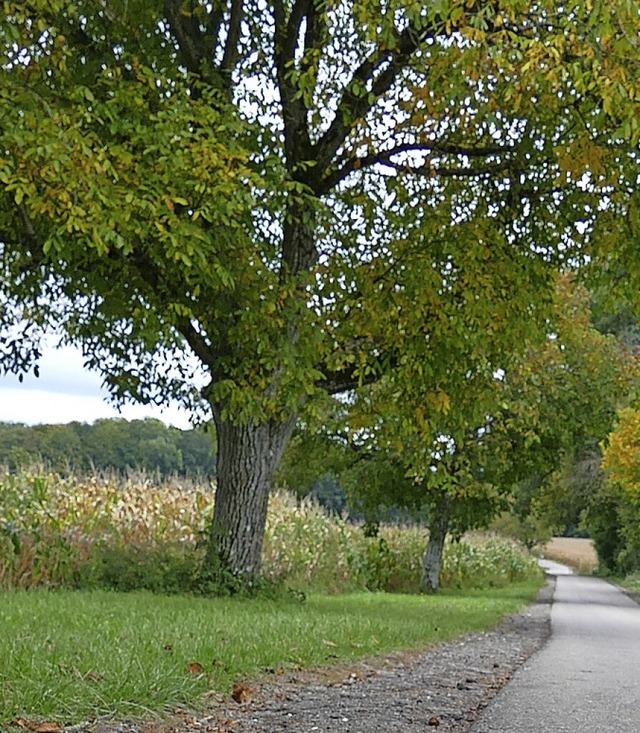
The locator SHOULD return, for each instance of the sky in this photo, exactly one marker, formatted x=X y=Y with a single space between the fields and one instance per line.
x=66 y=391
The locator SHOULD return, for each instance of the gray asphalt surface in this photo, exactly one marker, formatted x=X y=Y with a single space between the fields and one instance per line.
x=587 y=677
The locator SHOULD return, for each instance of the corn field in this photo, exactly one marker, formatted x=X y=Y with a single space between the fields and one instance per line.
x=71 y=532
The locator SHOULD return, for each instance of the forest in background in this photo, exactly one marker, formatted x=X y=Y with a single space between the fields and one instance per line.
x=109 y=445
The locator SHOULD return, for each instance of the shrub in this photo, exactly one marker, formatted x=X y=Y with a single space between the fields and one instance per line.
x=167 y=568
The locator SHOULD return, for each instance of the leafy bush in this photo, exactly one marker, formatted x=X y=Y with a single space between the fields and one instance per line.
x=530 y=530
x=166 y=568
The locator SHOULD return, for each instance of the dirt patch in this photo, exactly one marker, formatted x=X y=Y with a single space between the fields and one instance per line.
x=444 y=688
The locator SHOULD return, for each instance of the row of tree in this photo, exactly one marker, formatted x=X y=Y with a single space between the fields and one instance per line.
x=252 y=206
x=540 y=421
x=535 y=459
x=111 y=445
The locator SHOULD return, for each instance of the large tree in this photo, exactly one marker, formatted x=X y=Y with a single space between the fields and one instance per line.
x=244 y=203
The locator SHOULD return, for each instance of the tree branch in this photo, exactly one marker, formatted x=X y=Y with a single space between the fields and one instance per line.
x=197 y=342
x=349 y=165
x=297 y=143
x=354 y=104
x=486 y=171
x=29 y=230
x=343 y=380
x=231 y=53
x=148 y=272
x=188 y=35
x=300 y=10
x=335 y=381
x=316 y=24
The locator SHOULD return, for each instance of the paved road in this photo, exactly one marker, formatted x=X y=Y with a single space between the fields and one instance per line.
x=587 y=677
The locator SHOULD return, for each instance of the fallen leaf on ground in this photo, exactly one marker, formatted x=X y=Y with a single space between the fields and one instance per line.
x=93 y=677
x=47 y=726
x=240 y=692
x=195 y=668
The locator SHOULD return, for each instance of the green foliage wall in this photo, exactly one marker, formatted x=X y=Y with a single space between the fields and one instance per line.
x=109 y=445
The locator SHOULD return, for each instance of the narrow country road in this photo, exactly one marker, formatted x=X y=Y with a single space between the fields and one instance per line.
x=587 y=677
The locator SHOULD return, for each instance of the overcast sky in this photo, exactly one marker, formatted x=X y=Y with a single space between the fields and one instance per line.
x=66 y=391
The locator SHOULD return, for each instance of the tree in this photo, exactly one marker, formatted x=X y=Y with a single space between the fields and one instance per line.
x=555 y=404
x=612 y=514
x=454 y=469
x=621 y=457
x=501 y=446
x=574 y=385
x=243 y=204
x=443 y=470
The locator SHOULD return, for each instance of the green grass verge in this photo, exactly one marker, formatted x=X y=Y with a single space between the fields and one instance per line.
x=73 y=656
x=630 y=583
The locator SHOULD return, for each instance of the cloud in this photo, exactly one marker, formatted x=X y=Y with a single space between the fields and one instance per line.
x=67 y=392
x=34 y=407
x=61 y=371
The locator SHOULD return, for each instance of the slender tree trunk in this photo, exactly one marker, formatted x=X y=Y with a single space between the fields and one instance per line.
x=248 y=456
x=432 y=561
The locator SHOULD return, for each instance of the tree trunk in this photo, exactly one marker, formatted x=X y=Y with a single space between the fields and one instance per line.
x=248 y=456
x=432 y=561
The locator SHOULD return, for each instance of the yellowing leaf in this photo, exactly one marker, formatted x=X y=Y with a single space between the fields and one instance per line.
x=195 y=668
x=47 y=726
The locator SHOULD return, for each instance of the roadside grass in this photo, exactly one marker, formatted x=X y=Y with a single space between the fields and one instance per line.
x=77 y=655
x=576 y=552
x=630 y=583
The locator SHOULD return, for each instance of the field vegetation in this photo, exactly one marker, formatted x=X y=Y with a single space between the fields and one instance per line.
x=71 y=648
x=577 y=552
x=127 y=535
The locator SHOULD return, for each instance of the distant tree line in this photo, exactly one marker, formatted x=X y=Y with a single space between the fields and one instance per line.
x=109 y=445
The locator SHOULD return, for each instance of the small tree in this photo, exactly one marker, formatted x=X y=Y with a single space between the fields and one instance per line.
x=456 y=462
x=613 y=515
x=621 y=458
x=576 y=382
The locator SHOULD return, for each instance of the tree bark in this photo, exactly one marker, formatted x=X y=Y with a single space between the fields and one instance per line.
x=248 y=456
x=432 y=561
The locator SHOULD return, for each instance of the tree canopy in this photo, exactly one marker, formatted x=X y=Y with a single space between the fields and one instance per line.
x=245 y=204
x=498 y=448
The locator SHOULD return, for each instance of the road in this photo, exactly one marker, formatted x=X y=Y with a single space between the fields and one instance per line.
x=587 y=677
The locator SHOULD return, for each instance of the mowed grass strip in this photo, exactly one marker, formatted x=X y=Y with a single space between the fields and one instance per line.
x=73 y=656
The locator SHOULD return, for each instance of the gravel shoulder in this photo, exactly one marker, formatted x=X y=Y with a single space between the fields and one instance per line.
x=445 y=687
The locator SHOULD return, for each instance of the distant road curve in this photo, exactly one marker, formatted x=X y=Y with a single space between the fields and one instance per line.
x=587 y=677
x=551 y=567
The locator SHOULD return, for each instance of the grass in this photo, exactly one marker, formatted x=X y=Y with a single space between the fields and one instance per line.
x=631 y=583
x=578 y=553
x=72 y=656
